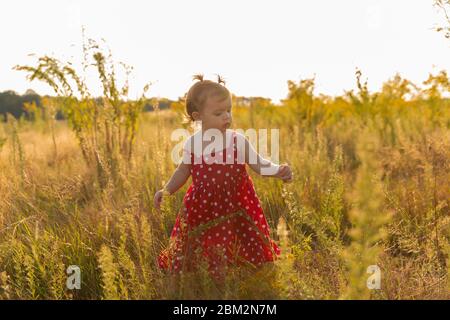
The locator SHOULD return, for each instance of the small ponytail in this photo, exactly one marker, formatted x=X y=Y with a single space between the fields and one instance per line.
x=220 y=79
x=198 y=76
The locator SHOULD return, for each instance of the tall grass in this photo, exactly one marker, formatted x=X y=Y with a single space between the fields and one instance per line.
x=372 y=181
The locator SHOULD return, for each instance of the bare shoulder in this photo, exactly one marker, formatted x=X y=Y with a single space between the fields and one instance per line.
x=240 y=137
x=189 y=143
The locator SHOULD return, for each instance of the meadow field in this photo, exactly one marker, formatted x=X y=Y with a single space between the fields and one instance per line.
x=371 y=188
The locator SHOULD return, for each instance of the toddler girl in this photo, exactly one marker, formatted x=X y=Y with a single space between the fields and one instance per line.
x=221 y=219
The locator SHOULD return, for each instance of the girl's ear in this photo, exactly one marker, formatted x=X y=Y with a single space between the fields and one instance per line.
x=196 y=115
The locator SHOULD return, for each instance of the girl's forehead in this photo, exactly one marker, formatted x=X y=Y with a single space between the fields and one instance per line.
x=218 y=102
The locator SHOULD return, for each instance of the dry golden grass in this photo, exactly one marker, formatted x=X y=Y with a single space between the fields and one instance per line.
x=372 y=182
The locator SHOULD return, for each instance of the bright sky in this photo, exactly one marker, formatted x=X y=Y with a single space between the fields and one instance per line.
x=256 y=45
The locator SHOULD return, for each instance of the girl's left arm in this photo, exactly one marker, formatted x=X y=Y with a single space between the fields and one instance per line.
x=265 y=167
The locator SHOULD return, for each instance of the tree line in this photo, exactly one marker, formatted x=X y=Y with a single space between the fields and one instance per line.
x=16 y=104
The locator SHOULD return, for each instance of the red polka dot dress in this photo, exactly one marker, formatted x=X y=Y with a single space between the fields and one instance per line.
x=221 y=219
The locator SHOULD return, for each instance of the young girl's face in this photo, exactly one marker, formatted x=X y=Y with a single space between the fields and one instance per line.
x=216 y=114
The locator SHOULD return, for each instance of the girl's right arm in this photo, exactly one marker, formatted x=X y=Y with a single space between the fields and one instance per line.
x=177 y=180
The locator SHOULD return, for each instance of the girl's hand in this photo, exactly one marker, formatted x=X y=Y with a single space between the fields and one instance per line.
x=284 y=173
x=158 y=199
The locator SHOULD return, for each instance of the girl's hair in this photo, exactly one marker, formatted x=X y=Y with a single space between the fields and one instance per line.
x=203 y=89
